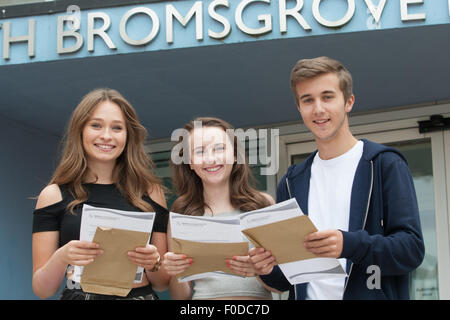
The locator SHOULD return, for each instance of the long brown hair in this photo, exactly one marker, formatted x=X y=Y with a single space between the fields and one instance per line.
x=189 y=186
x=132 y=173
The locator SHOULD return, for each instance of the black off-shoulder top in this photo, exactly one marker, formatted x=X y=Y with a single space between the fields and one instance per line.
x=57 y=217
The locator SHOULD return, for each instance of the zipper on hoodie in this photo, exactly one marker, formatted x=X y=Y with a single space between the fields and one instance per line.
x=290 y=197
x=365 y=220
x=288 y=189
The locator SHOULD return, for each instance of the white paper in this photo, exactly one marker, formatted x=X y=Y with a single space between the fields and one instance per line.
x=93 y=217
x=312 y=269
x=298 y=271
x=205 y=229
x=278 y=212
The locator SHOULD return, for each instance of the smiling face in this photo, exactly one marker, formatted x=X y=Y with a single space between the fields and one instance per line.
x=323 y=107
x=105 y=133
x=212 y=155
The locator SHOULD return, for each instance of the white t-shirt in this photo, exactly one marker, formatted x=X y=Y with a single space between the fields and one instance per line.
x=329 y=208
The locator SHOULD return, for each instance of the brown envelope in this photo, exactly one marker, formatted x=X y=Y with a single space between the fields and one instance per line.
x=284 y=239
x=113 y=272
x=208 y=257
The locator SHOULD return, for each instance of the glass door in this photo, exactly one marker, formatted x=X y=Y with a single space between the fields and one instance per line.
x=424 y=280
x=417 y=149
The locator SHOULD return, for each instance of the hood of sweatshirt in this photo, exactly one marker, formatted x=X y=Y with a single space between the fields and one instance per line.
x=371 y=151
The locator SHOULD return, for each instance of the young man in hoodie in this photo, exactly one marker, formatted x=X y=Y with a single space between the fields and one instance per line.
x=359 y=194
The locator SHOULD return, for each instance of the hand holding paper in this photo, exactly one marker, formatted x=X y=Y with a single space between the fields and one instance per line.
x=209 y=242
x=281 y=231
x=207 y=257
x=117 y=232
x=176 y=263
x=113 y=273
x=262 y=260
x=79 y=253
x=278 y=232
x=325 y=243
x=283 y=238
x=145 y=257
x=242 y=265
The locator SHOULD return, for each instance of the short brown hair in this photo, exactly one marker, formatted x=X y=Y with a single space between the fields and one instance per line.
x=311 y=68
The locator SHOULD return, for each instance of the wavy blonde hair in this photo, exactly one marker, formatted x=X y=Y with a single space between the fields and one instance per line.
x=189 y=186
x=132 y=173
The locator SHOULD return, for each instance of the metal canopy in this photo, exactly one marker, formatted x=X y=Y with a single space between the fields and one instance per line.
x=246 y=84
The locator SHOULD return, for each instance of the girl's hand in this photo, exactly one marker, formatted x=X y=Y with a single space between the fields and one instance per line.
x=146 y=257
x=262 y=260
x=242 y=265
x=79 y=253
x=176 y=263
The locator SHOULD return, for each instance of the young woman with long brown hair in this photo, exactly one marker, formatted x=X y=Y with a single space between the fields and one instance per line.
x=103 y=164
x=213 y=183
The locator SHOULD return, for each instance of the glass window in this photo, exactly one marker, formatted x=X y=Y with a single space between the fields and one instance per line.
x=298 y=158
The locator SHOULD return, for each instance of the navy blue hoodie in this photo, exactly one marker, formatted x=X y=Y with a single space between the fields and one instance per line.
x=384 y=227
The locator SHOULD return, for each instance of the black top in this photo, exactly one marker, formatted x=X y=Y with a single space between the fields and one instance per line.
x=57 y=217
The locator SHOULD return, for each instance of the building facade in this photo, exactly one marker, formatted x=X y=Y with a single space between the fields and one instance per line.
x=176 y=60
